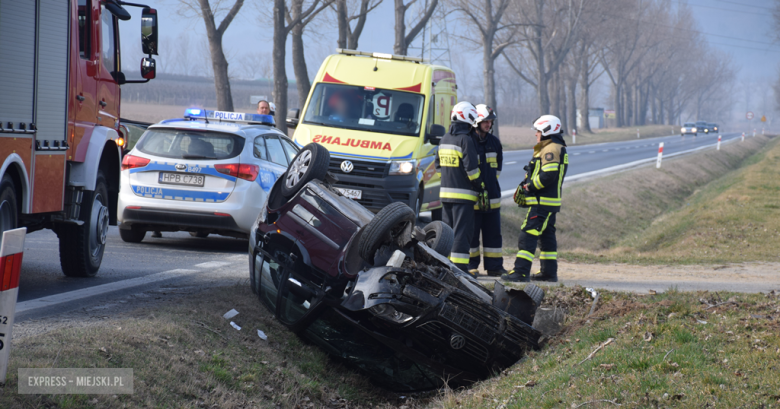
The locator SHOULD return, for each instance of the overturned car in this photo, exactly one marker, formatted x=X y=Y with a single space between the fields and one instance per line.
x=376 y=290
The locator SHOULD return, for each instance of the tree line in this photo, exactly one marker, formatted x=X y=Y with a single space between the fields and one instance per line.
x=659 y=67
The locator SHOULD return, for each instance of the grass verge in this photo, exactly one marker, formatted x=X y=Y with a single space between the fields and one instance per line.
x=513 y=137
x=185 y=355
x=604 y=213
x=668 y=350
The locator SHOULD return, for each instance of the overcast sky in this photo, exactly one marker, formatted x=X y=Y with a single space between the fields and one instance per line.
x=741 y=28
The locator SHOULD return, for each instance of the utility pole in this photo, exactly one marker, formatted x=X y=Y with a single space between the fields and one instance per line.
x=434 y=40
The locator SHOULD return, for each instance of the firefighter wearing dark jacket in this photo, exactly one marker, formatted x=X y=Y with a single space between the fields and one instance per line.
x=461 y=181
x=541 y=193
x=487 y=217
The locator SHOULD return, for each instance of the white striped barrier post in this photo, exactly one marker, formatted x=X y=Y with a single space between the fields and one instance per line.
x=762 y=131
x=754 y=132
x=11 y=251
x=743 y=137
x=718 y=142
x=637 y=134
x=573 y=136
x=660 y=155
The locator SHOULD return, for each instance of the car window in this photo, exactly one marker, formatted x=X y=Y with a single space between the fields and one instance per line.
x=186 y=144
x=259 y=149
x=289 y=148
x=275 y=150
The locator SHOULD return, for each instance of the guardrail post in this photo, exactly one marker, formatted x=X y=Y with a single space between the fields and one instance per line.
x=11 y=251
x=637 y=133
x=660 y=155
x=718 y=142
x=573 y=136
x=754 y=132
x=743 y=137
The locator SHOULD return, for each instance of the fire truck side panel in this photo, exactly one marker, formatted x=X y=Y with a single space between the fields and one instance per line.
x=83 y=113
x=17 y=65
x=107 y=88
x=84 y=174
x=51 y=102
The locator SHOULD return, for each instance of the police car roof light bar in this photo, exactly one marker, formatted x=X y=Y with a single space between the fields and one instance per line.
x=196 y=113
x=381 y=55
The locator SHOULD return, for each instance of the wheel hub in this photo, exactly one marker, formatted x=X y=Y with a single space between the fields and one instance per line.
x=298 y=169
x=98 y=226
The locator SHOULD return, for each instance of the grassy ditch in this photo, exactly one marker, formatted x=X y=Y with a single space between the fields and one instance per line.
x=185 y=355
x=667 y=350
x=513 y=137
x=601 y=214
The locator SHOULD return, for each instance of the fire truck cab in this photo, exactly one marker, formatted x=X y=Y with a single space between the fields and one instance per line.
x=60 y=134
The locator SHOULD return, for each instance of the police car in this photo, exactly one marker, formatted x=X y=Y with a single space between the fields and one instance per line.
x=208 y=172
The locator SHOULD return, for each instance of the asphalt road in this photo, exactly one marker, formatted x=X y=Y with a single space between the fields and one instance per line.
x=42 y=277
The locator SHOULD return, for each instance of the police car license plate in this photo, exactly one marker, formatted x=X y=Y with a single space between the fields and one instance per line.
x=182 y=179
x=351 y=193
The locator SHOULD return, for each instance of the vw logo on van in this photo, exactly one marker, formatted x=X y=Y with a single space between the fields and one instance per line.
x=180 y=166
x=457 y=341
x=347 y=166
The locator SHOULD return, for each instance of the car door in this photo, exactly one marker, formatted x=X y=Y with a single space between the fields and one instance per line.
x=271 y=159
x=107 y=88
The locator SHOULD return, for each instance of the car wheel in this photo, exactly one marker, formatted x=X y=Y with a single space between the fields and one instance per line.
x=132 y=235
x=8 y=203
x=82 y=247
x=439 y=237
x=199 y=234
x=384 y=228
x=309 y=164
x=418 y=203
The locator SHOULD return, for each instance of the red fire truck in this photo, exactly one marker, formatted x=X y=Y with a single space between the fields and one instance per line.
x=60 y=133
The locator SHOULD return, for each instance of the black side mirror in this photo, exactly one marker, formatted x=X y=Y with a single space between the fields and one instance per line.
x=116 y=9
x=149 y=31
x=119 y=77
x=148 y=68
x=435 y=134
x=293 y=117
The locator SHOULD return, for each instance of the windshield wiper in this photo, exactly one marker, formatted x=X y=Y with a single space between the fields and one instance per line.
x=197 y=157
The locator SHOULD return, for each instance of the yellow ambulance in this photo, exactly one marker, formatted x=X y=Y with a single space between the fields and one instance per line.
x=381 y=116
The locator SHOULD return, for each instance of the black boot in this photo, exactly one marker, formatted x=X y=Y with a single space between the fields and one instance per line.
x=497 y=273
x=514 y=277
x=546 y=277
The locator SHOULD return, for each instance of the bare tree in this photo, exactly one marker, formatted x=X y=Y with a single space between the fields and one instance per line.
x=256 y=65
x=349 y=36
x=281 y=31
x=296 y=12
x=402 y=37
x=214 y=34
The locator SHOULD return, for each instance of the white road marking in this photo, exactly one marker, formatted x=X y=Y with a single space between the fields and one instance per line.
x=48 y=301
x=511 y=163
x=592 y=152
x=605 y=150
x=575 y=154
x=213 y=264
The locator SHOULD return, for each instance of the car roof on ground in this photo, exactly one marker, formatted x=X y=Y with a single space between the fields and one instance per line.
x=239 y=128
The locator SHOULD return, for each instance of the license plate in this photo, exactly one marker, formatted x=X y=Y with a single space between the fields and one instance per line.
x=188 y=179
x=351 y=193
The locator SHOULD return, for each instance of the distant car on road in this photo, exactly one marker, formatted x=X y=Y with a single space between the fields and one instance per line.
x=713 y=127
x=702 y=127
x=208 y=172
x=689 y=128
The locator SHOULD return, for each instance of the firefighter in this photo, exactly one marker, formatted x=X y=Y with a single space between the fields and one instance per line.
x=461 y=181
x=487 y=218
x=541 y=193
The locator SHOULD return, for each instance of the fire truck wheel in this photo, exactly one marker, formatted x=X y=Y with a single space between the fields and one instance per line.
x=7 y=205
x=132 y=235
x=81 y=247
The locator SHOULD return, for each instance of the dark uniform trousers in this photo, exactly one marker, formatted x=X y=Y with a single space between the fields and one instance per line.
x=538 y=228
x=489 y=225
x=460 y=216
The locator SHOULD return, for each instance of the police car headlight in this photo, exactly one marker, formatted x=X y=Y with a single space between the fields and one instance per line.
x=402 y=167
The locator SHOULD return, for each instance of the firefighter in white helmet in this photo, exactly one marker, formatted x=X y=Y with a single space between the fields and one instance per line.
x=540 y=192
x=487 y=216
x=461 y=181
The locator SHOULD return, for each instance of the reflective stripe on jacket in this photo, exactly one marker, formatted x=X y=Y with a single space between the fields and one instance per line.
x=491 y=159
x=547 y=172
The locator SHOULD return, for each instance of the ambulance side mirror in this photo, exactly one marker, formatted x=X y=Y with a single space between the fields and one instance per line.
x=435 y=134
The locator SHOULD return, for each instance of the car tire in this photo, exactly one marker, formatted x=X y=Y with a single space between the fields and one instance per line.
x=8 y=202
x=536 y=293
x=310 y=163
x=132 y=235
x=82 y=247
x=439 y=237
x=199 y=234
x=419 y=202
x=383 y=228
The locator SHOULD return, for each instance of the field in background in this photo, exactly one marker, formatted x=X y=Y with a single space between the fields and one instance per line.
x=600 y=214
x=523 y=137
x=154 y=113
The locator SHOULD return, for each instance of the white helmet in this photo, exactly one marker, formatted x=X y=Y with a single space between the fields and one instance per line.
x=548 y=125
x=464 y=112
x=484 y=113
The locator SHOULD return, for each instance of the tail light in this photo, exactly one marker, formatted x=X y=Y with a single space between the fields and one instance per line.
x=242 y=171
x=130 y=162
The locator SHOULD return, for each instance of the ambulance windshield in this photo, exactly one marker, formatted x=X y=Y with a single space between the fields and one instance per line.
x=365 y=109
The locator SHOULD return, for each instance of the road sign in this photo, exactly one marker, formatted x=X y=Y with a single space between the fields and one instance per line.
x=10 y=264
x=749 y=115
x=763 y=118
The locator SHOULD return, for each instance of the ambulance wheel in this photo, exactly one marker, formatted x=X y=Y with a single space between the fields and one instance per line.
x=439 y=237
x=384 y=228
x=82 y=247
x=8 y=204
x=310 y=163
x=132 y=235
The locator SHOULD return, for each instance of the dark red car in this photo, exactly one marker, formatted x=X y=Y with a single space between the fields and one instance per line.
x=377 y=291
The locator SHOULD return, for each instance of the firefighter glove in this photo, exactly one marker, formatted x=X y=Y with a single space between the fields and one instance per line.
x=483 y=201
